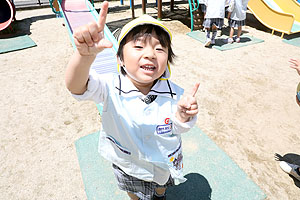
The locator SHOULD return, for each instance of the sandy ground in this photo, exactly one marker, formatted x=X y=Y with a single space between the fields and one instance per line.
x=247 y=105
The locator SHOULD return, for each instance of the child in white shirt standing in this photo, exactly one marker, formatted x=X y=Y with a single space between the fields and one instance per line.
x=214 y=19
x=202 y=9
x=202 y=5
x=236 y=16
x=143 y=112
x=295 y=64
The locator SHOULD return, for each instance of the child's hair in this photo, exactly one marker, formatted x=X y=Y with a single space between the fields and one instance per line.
x=146 y=31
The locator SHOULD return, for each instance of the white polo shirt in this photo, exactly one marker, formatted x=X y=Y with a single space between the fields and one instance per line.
x=141 y=138
x=240 y=10
x=215 y=9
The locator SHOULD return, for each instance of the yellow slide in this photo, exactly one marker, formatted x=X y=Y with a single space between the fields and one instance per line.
x=290 y=6
x=279 y=15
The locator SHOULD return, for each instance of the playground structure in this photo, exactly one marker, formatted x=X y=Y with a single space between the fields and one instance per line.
x=7 y=13
x=278 y=15
x=77 y=13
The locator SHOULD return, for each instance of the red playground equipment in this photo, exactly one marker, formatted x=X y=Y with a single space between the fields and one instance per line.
x=7 y=13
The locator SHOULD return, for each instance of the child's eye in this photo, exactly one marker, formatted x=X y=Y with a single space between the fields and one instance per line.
x=138 y=46
x=160 y=49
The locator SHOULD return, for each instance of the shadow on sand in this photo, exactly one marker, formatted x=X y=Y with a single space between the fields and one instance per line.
x=22 y=27
x=195 y=188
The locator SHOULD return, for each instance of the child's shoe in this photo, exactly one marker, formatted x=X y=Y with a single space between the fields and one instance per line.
x=290 y=169
x=159 y=198
x=207 y=42
x=237 y=39
x=228 y=40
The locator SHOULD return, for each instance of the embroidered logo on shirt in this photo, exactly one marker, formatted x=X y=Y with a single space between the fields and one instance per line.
x=167 y=120
x=163 y=129
x=177 y=163
x=176 y=158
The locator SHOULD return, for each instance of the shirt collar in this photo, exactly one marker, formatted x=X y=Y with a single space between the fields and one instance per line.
x=125 y=87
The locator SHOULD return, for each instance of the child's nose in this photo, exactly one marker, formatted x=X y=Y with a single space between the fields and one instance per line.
x=149 y=53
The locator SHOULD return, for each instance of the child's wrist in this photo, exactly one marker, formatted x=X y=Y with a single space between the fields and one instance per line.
x=182 y=119
x=86 y=56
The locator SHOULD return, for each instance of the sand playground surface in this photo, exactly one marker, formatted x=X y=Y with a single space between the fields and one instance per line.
x=246 y=98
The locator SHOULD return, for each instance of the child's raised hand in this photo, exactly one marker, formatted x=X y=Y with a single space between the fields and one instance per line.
x=295 y=64
x=187 y=106
x=89 y=39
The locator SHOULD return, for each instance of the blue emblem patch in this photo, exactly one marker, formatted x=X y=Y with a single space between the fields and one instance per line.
x=163 y=129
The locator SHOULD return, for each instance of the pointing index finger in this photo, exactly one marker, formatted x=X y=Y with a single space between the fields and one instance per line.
x=195 y=89
x=102 y=15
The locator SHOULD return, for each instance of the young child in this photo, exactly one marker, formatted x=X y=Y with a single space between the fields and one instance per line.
x=213 y=20
x=202 y=6
x=237 y=16
x=295 y=64
x=143 y=112
x=202 y=11
x=289 y=168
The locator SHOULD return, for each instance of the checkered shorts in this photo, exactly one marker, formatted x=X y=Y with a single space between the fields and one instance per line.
x=236 y=23
x=142 y=189
x=218 y=22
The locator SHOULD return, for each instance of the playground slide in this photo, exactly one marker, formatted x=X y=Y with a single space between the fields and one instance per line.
x=7 y=13
x=275 y=16
x=80 y=12
x=290 y=6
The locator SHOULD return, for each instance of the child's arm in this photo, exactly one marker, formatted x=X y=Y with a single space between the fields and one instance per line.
x=187 y=106
x=295 y=64
x=89 y=41
x=230 y=8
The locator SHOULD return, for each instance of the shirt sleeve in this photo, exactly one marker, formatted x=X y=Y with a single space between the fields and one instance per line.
x=182 y=127
x=231 y=5
x=96 y=89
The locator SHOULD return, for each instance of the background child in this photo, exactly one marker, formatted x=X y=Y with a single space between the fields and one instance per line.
x=237 y=15
x=213 y=20
x=202 y=11
x=290 y=168
x=143 y=112
x=203 y=6
x=295 y=64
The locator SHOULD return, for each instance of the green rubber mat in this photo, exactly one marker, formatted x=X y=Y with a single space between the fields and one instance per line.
x=220 y=41
x=293 y=39
x=210 y=172
x=15 y=43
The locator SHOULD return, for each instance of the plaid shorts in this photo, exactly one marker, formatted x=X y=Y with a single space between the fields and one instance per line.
x=142 y=189
x=218 y=22
x=236 y=23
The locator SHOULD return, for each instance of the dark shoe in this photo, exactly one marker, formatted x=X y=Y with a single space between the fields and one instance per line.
x=159 y=198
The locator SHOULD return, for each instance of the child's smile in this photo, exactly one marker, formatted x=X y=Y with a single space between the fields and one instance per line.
x=148 y=67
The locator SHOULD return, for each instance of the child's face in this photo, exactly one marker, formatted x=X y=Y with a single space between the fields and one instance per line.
x=145 y=59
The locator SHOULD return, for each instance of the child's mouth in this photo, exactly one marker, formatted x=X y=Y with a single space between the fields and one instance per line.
x=148 y=68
